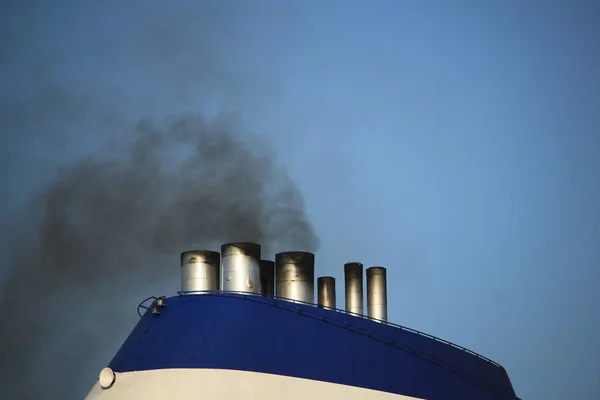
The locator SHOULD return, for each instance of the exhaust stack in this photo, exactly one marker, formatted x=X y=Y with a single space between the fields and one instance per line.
x=295 y=272
x=326 y=292
x=240 y=271
x=199 y=270
x=353 y=276
x=267 y=277
x=377 y=293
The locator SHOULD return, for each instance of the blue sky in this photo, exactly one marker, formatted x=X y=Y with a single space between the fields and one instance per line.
x=455 y=143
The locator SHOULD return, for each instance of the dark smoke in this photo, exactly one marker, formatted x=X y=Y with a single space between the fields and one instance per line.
x=110 y=225
x=106 y=231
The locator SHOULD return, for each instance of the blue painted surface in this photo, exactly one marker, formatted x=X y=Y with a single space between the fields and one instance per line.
x=252 y=333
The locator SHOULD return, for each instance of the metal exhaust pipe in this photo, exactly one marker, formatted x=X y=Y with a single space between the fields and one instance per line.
x=353 y=275
x=240 y=270
x=295 y=276
x=326 y=292
x=267 y=278
x=377 y=293
x=199 y=270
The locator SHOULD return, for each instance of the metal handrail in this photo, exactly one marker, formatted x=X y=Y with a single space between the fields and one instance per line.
x=145 y=307
x=287 y=304
x=258 y=296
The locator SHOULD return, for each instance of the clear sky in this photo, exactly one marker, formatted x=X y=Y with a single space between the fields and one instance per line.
x=456 y=143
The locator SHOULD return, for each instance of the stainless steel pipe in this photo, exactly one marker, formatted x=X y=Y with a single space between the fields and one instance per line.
x=199 y=270
x=377 y=293
x=353 y=276
x=240 y=270
x=267 y=277
x=295 y=276
x=326 y=292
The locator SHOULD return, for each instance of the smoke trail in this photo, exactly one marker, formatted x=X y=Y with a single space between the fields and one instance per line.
x=107 y=230
x=110 y=224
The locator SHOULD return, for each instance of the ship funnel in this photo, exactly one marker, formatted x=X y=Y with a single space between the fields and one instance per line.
x=267 y=278
x=295 y=272
x=240 y=271
x=377 y=293
x=353 y=276
x=326 y=292
x=199 y=270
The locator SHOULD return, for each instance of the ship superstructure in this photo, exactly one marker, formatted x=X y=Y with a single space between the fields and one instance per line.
x=242 y=327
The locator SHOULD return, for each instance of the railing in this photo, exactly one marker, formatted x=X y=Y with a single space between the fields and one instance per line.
x=405 y=328
x=287 y=304
x=143 y=305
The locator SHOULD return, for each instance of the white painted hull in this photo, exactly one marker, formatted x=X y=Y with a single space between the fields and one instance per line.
x=219 y=384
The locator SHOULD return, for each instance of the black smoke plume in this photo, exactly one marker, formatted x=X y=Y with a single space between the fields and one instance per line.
x=111 y=227
x=106 y=231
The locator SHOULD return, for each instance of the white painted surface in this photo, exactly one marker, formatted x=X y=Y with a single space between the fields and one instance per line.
x=219 y=384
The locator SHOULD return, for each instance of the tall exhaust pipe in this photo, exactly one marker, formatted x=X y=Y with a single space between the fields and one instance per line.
x=353 y=276
x=377 y=293
x=267 y=277
x=240 y=270
x=199 y=270
x=295 y=276
x=326 y=292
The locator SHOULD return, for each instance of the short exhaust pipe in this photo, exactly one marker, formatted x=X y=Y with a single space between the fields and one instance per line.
x=240 y=270
x=199 y=270
x=295 y=276
x=267 y=278
x=326 y=292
